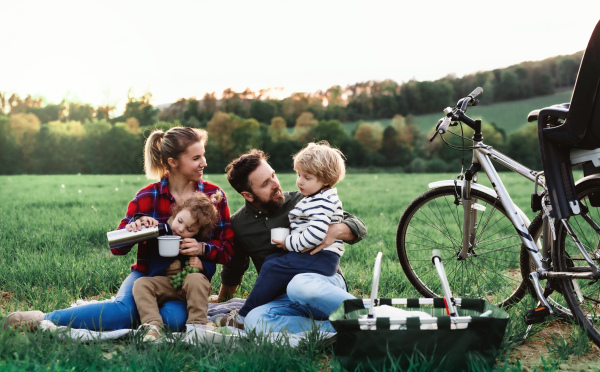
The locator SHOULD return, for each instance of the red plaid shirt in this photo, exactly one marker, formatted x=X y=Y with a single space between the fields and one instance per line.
x=155 y=201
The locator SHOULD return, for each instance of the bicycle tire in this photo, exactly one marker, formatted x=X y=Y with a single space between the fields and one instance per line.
x=568 y=258
x=491 y=272
x=552 y=289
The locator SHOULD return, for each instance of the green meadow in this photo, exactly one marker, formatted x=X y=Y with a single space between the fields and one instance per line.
x=53 y=251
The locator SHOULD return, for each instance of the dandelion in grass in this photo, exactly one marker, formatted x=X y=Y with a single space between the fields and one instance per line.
x=116 y=189
x=62 y=186
x=79 y=191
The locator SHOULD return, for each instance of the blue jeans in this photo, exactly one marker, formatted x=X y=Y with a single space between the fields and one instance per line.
x=308 y=296
x=118 y=313
x=279 y=269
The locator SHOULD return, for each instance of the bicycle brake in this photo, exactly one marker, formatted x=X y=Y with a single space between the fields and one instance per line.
x=456 y=194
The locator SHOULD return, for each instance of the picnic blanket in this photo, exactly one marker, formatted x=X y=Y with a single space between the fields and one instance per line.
x=192 y=334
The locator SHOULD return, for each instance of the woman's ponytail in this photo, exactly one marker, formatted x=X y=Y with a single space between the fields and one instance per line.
x=153 y=165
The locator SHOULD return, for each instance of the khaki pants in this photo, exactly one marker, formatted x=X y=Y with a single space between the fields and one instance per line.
x=151 y=292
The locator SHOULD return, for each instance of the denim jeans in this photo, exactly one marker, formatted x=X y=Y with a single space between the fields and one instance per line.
x=308 y=302
x=118 y=313
x=279 y=269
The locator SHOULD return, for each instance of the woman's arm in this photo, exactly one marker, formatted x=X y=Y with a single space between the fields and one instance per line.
x=219 y=247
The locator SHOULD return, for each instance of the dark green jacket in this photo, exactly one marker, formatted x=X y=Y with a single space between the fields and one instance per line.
x=252 y=230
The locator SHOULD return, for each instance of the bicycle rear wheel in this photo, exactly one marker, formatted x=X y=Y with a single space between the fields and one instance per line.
x=491 y=271
x=582 y=295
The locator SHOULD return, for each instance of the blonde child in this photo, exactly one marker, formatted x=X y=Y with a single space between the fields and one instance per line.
x=319 y=167
x=193 y=217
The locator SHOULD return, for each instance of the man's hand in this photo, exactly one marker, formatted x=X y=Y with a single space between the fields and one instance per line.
x=279 y=244
x=335 y=231
x=226 y=292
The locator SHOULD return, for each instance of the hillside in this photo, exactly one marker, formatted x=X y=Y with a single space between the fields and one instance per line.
x=507 y=115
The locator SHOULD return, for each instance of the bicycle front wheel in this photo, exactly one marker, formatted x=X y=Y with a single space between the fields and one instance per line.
x=491 y=270
x=582 y=295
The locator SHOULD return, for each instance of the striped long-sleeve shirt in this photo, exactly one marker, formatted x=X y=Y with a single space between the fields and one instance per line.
x=310 y=220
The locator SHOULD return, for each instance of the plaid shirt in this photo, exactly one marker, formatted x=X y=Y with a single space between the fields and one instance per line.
x=155 y=201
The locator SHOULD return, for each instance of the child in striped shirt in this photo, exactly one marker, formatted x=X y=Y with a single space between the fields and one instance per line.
x=319 y=167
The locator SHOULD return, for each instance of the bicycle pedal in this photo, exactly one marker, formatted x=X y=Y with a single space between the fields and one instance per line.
x=536 y=315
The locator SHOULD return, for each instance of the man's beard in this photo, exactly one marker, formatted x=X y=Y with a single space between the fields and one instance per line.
x=270 y=206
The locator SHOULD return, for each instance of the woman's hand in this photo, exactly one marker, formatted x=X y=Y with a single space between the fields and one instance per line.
x=191 y=247
x=194 y=261
x=142 y=221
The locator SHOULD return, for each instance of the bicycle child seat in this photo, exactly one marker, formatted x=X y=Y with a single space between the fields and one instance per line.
x=567 y=126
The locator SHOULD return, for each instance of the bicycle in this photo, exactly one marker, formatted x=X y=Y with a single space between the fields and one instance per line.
x=488 y=245
x=479 y=228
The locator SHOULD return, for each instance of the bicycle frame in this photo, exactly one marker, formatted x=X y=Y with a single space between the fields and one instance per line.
x=482 y=160
x=482 y=155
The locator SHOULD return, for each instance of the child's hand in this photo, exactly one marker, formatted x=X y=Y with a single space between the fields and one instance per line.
x=195 y=262
x=279 y=244
x=142 y=221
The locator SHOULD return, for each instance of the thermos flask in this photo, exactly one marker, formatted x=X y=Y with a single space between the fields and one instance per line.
x=121 y=238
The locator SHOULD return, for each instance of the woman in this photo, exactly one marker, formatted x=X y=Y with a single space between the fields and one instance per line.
x=176 y=157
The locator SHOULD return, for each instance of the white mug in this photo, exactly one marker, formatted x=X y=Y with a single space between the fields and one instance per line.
x=168 y=245
x=279 y=233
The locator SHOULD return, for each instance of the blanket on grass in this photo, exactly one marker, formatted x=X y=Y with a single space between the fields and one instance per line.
x=192 y=334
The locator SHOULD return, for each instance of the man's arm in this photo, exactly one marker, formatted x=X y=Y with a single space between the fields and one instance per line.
x=226 y=292
x=358 y=229
x=351 y=231
x=233 y=273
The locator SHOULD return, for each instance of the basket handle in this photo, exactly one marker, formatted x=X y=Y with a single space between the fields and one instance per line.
x=375 y=285
x=437 y=262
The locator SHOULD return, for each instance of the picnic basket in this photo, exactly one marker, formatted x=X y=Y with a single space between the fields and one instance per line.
x=469 y=339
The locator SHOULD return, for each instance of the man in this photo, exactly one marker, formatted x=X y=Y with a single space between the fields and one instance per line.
x=308 y=295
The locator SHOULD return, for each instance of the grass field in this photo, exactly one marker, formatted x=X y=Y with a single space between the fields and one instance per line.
x=53 y=251
x=508 y=116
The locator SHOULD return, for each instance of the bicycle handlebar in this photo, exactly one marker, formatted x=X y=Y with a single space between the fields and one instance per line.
x=477 y=91
x=458 y=113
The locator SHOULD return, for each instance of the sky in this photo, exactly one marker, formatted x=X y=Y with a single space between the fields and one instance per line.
x=96 y=52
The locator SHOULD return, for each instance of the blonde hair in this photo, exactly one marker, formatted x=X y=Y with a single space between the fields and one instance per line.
x=322 y=161
x=203 y=209
x=160 y=146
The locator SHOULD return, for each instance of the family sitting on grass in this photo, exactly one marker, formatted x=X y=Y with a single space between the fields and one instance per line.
x=295 y=291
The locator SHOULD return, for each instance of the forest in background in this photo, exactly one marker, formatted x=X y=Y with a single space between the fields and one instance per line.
x=71 y=137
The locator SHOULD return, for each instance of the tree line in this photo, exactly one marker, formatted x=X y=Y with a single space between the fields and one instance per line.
x=72 y=137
